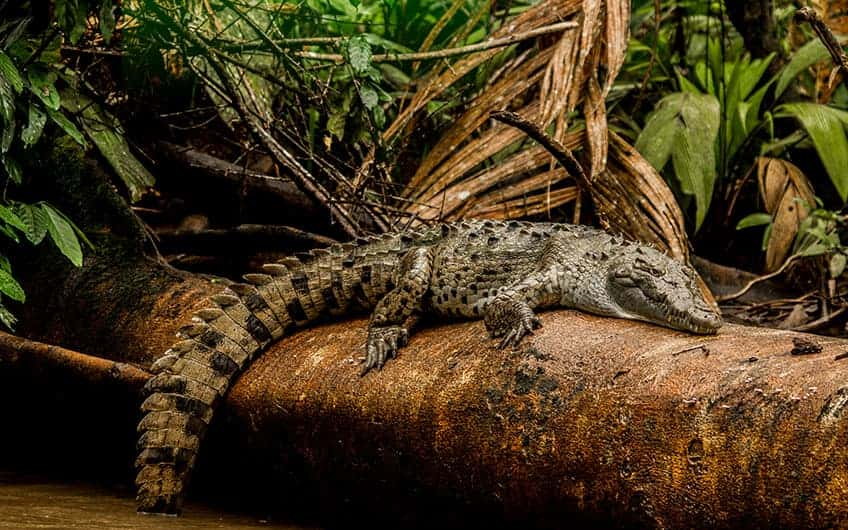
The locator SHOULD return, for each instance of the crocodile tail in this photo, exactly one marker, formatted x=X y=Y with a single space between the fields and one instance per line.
x=191 y=378
x=196 y=372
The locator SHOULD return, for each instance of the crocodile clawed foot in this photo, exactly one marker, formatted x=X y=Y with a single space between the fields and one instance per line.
x=383 y=343
x=511 y=319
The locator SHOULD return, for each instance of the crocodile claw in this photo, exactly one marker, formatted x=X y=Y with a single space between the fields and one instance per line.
x=511 y=319
x=519 y=331
x=383 y=343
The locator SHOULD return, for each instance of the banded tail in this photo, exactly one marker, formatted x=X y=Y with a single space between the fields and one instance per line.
x=193 y=376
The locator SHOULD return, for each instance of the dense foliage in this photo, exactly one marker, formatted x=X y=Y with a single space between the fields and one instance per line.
x=743 y=141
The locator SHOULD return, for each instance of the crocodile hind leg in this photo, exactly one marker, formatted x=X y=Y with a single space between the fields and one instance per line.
x=509 y=314
x=393 y=315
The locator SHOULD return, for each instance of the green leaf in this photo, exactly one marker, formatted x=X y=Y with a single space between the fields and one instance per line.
x=107 y=20
x=10 y=287
x=9 y=217
x=684 y=127
x=66 y=125
x=368 y=96
x=7 y=100
x=379 y=116
x=106 y=132
x=32 y=132
x=826 y=127
x=7 y=136
x=7 y=318
x=376 y=40
x=343 y=6
x=13 y=169
x=9 y=71
x=806 y=56
x=837 y=265
x=359 y=55
x=63 y=235
x=336 y=124
x=41 y=84
x=754 y=219
x=35 y=221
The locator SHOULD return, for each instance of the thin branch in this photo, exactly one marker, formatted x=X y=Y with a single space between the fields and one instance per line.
x=805 y=14
x=15 y=350
x=448 y=52
x=554 y=147
x=241 y=236
x=759 y=279
x=304 y=180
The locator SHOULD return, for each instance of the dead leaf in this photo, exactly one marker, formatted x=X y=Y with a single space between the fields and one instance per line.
x=784 y=189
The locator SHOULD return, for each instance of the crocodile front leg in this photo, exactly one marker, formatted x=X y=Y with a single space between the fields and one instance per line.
x=392 y=318
x=510 y=313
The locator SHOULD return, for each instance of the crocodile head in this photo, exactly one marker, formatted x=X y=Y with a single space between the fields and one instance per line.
x=647 y=285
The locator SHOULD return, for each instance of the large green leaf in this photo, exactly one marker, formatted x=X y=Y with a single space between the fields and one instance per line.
x=66 y=125
x=359 y=55
x=32 y=132
x=107 y=134
x=10 y=287
x=806 y=56
x=826 y=128
x=63 y=235
x=684 y=127
x=10 y=218
x=42 y=85
x=10 y=73
x=35 y=221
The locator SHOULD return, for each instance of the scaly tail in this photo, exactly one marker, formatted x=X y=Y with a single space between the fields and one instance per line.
x=196 y=372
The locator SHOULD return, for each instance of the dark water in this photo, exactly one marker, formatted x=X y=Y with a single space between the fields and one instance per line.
x=27 y=502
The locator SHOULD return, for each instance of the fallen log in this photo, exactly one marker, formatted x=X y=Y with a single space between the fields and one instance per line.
x=592 y=419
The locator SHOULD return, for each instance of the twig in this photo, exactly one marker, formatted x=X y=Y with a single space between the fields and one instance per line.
x=16 y=350
x=246 y=235
x=759 y=279
x=448 y=52
x=210 y=166
x=806 y=14
x=559 y=151
x=304 y=180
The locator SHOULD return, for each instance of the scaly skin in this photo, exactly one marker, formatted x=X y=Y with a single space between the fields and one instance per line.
x=501 y=271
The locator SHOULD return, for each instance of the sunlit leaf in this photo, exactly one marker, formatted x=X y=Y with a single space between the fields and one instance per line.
x=35 y=221
x=42 y=85
x=10 y=287
x=368 y=96
x=67 y=126
x=837 y=265
x=826 y=127
x=359 y=55
x=754 y=219
x=106 y=132
x=684 y=127
x=806 y=56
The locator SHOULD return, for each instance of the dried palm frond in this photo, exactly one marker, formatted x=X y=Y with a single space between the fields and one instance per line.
x=478 y=167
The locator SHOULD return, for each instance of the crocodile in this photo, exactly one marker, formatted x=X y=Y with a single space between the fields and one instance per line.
x=498 y=270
